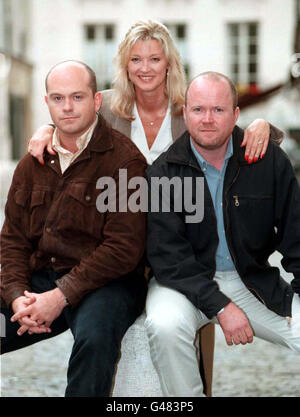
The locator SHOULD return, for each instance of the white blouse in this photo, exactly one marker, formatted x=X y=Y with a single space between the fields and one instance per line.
x=162 y=141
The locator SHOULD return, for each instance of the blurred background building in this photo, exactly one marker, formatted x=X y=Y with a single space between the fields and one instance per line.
x=255 y=42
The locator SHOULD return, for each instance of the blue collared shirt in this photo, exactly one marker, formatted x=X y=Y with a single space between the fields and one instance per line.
x=215 y=181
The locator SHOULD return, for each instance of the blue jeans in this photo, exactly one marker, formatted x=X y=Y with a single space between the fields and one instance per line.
x=98 y=324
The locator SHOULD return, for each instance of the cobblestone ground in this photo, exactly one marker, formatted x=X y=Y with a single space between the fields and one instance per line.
x=256 y=370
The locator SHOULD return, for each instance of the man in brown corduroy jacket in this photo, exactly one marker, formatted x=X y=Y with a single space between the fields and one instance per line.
x=64 y=263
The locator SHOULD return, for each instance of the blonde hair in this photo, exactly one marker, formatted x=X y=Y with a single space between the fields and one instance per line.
x=123 y=95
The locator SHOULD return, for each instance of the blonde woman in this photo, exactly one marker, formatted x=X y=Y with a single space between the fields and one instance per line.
x=145 y=104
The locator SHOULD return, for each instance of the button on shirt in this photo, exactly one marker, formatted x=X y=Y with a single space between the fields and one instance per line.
x=215 y=181
x=162 y=141
x=66 y=157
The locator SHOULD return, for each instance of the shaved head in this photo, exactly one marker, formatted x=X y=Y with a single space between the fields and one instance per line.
x=216 y=76
x=210 y=112
x=71 y=100
x=72 y=63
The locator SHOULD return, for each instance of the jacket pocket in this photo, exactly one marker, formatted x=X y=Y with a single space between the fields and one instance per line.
x=250 y=198
x=31 y=198
x=37 y=198
x=83 y=194
x=33 y=201
x=81 y=209
x=38 y=212
x=22 y=197
x=253 y=218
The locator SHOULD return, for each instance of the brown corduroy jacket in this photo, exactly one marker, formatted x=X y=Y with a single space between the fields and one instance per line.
x=51 y=220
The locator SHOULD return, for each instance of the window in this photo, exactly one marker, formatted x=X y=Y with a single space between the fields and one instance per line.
x=99 y=50
x=13 y=27
x=5 y=25
x=243 y=55
x=179 y=34
x=17 y=123
x=90 y=33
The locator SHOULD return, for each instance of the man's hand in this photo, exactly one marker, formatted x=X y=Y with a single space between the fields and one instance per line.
x=235 y=325
x=42 y=308
x=26 y=322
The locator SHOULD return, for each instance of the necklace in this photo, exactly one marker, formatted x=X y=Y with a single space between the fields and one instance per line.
x=151 y=122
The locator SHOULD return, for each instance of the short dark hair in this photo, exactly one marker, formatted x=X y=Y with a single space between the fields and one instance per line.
x=92 y=75
x=217 y=76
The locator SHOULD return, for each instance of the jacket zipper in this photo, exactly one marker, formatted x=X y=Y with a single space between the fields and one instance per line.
x=256 y=294
x=250 y=197
x=236 y=200
x=237 y=203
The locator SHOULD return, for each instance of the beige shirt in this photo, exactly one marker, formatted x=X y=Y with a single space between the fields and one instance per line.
x=66 y=157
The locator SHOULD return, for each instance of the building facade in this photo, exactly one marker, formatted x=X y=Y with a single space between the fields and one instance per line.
x=252 y=41
x=15 y=88
x=15 y=78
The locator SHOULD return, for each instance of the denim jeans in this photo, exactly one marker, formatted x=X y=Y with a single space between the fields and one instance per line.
x=98 y=324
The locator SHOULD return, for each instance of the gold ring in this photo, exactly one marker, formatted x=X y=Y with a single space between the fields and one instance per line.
x=260 y=142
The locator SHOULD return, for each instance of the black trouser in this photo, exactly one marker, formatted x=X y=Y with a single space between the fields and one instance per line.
x=98 y=324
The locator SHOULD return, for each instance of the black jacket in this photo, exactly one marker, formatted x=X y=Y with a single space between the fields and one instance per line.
x=261 y=209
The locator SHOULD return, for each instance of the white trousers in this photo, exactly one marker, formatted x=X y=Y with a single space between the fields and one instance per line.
x=172 y=322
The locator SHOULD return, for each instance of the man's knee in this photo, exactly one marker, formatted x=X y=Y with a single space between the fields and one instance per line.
x=98 y=334
x=168 y=325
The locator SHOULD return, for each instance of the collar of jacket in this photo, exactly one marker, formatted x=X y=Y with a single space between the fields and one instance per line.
x=101 y=141
x=180 y=152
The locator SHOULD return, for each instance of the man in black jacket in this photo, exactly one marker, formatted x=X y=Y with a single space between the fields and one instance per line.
x=215 y=268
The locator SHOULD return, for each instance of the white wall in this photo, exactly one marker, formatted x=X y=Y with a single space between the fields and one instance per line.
x=56 y=33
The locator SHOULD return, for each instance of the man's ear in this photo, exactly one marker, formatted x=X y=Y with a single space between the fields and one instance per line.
x=236 y=113
x=98 y=100
x=46 y=100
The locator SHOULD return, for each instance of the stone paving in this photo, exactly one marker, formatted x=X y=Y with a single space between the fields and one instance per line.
x=257 y=370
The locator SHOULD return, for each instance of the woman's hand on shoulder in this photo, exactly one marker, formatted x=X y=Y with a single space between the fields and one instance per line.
x=256 y=139
x=41 y=139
